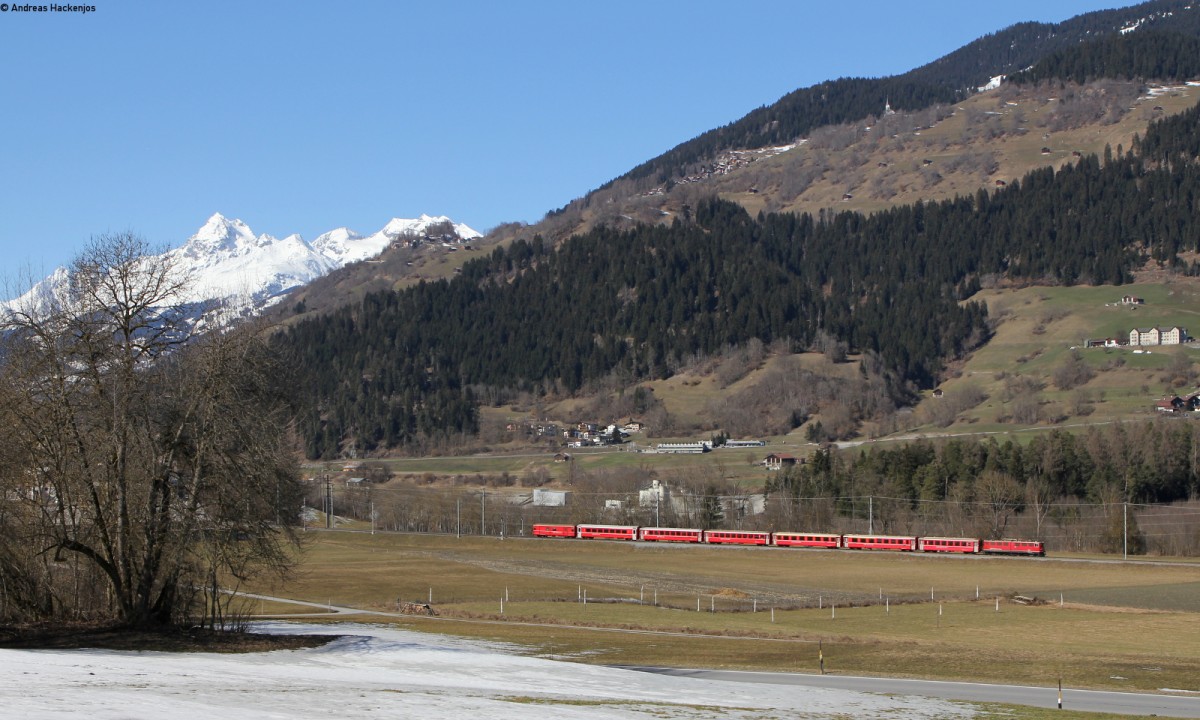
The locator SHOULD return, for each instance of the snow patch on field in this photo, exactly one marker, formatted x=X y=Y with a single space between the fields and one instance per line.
x=385 y=672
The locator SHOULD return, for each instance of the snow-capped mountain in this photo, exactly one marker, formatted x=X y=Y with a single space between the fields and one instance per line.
x=226 y=261
x=346 y=246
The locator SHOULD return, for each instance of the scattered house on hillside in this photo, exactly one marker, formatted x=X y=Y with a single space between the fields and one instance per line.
x=1158 y=336
x=562 y=457
x=1045 y=151
x=550 y=498
x=1176 y=404
x=1001 y=183
x=779 y=461
x=1132 y=300
x=938 y=392
x=632 y=426
x=1169 y=405
x=1101 y=342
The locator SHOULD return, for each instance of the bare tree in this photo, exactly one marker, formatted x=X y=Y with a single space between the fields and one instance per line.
x=155 y=459
x=1000 y=495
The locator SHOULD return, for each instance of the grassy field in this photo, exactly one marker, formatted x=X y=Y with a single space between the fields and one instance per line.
x=1126 y=626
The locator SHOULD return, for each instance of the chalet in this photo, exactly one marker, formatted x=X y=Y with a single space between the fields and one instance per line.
x=1001 y=183
x=1132 y=300
x=1045 y=151
x=779 y=461
x=938 y=392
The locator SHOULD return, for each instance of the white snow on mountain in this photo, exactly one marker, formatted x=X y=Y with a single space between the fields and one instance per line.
x=226 y=261
x=346 y=246
x=992 y=84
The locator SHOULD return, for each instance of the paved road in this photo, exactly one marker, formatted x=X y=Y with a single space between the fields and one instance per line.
x=1047 y=697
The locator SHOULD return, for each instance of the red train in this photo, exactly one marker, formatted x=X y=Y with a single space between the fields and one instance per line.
x=901 y=543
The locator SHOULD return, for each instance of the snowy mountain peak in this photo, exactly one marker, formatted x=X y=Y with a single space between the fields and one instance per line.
x=218 y=234
x=225 y=260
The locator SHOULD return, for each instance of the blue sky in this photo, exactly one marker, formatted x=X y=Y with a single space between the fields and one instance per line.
x=305 y=116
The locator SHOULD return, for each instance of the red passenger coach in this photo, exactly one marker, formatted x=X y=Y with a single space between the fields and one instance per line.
x=737 y=537
x=1015 y=547
x=879 y=542
x=657 y=534
x=562 y=531
x=948 y=545
x=817 y=540
x=608 y=532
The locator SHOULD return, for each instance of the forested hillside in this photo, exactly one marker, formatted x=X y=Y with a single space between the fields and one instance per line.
x=402 y=367
x=1135 y=55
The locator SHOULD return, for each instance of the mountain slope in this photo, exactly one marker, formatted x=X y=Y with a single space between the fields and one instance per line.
x=944 y=80
x=609 y=306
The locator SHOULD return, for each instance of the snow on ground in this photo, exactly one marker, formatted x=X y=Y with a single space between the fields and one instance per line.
x=385 y=672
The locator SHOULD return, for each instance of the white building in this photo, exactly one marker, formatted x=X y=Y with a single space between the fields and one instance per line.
x=692 y=447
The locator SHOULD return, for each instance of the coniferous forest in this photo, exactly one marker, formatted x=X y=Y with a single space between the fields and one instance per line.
x=402 y=366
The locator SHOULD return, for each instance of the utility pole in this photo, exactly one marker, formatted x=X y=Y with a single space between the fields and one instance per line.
x=1125 y=531
x=871 y=514
x=483 y=513
x=458 y=516
x=328 y=504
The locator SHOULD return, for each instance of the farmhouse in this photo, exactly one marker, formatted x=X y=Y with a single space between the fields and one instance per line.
x=778 y=461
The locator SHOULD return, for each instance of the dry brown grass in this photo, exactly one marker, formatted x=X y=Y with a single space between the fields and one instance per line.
x=956 y=636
